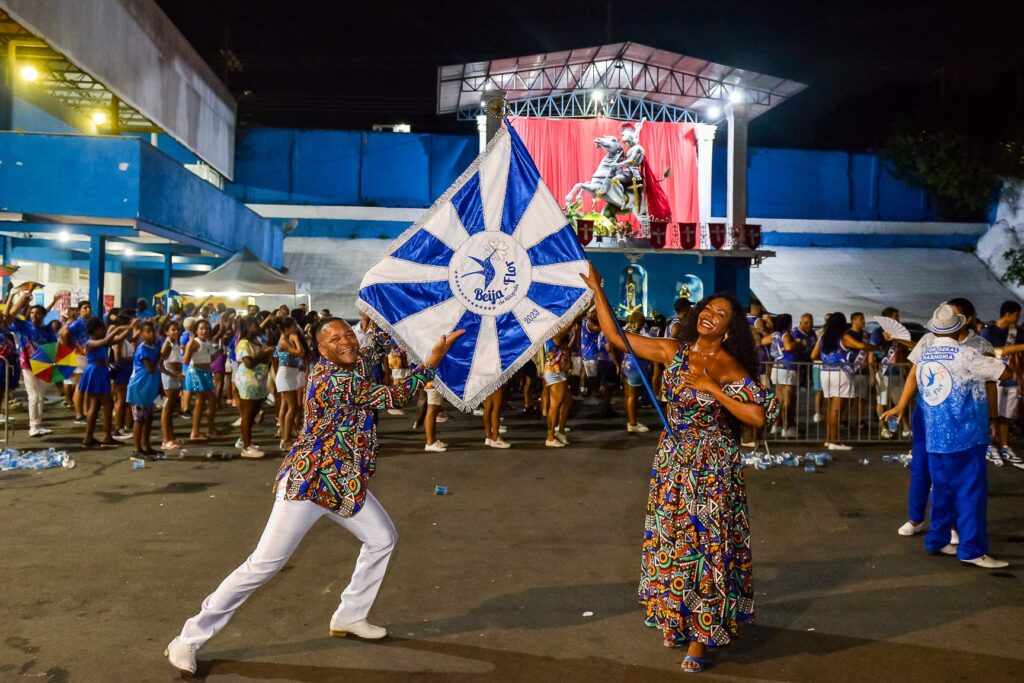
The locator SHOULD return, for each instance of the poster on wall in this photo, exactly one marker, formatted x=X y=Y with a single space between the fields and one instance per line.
x=108 y=302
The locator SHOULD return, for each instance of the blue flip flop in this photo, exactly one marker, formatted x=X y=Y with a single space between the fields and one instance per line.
x=701 y=662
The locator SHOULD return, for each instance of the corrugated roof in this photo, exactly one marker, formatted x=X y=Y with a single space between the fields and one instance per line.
x=819 y=281
x=630 y=69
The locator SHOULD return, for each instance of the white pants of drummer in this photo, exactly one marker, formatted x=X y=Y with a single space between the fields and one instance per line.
x=289 y=521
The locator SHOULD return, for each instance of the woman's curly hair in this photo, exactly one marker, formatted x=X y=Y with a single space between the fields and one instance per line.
x=739 y=341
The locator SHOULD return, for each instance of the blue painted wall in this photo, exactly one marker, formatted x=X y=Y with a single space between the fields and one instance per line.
x=347 y=168
x=123 y=177
x=809 y=184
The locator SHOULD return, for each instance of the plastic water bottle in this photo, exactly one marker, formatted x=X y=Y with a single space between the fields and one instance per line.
x=183 y=453
x=810 y=469
x=137 y=463
x=864 y=461
x=820 y=459
x=441 y=490
x=893 y=424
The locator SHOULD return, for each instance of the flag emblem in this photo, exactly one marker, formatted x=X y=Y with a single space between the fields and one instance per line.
x=494 y=256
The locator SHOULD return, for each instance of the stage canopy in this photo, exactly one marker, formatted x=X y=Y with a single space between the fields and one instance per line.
x=244 y=274
x=636 y=81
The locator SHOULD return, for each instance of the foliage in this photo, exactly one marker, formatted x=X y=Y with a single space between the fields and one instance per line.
x=1014 y=274
x=960 y=172
x=604 y=225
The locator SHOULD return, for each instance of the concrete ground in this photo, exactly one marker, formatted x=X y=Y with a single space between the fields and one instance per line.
x=525 y=571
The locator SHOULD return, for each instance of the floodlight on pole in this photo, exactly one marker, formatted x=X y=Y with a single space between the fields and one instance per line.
x=597 y=96
x=736 y=96
x=29 y=73
x=714 y=113
x=99 y=118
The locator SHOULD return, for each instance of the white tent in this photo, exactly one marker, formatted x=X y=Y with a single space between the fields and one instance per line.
x=244 y=274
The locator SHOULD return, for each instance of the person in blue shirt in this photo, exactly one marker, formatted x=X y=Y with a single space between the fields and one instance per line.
x=1002 y=334
x=142 y=310
x=74 y=335
x=144 y=387
x=31 y=334
x=891 y=354
x=950 y=377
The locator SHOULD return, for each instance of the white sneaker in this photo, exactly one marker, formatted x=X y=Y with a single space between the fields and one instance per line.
x=122 y=437
x=239 y=445
x=252 y=452
x=554 y=443
x=1009 y=456
x=361 y=628
x=39 y=431
x=502 y=429
x=909 y=529
x=561 y=437
x=817 y=418
x=441 y=418
x=396 y=411
x=948 y=549
x=638 y=427
x=181 y=656
x=986 y=562
x=838 y=447
x=791 y=433
x=954 y=537
x=498 y=443
x=776 y=429
x=991 y=454
x=478 y=412
x=436 y=447
x=906 y=433
x=237 y=423
x=886 y=434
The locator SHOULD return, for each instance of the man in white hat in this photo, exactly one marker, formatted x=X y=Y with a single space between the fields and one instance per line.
x=951 y=379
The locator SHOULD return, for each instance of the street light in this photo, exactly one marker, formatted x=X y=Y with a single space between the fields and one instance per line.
x=63 y=235
x=99 y=118
x=597 y=96
x=736 y=96
x=29 y=73
x=714 y=113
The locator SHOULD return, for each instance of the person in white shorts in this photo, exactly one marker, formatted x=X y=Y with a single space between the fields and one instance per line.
x=430 y=407
x=836 y=349
x=783 y=351
x=1004 y=335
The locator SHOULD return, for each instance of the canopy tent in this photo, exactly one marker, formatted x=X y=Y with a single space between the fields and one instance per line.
x=244 y=274
x=915 y=281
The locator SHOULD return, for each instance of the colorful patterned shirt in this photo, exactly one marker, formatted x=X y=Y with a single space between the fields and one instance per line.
x=335 y=456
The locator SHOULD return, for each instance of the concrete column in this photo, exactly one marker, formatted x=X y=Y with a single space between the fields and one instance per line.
x=736 y=200
x=6 y=93
x=493 y=122
x=97 y=272
x=481 y=129
x=7 y=260
x=168 y=268
x=705 y=133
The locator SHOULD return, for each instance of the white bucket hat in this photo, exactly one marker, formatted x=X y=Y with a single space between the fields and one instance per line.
x=946 y=320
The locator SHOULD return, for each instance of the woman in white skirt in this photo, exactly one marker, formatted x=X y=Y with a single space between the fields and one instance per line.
x=783 y=351
x=837 y=350
x=291 y=354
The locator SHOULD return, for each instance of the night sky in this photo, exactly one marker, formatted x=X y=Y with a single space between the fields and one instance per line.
x=871 y=67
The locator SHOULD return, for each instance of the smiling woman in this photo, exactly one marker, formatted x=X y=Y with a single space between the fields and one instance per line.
x=697 y=582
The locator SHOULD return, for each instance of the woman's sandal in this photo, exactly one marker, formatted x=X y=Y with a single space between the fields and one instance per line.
x=699 y=664
x=201 y=437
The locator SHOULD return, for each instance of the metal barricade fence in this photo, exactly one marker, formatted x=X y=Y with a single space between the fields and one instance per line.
x=858 y=393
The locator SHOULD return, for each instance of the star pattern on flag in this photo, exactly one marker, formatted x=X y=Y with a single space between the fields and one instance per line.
x=494 y=256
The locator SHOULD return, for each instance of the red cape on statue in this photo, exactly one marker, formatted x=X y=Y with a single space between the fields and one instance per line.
x=657 y=201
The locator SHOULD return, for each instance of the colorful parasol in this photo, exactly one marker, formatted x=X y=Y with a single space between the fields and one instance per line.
x=28 y=286
x=53 y=362
x=7 y=271
x=168 y=294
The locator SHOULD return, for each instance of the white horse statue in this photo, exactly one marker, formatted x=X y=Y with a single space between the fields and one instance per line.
x=606 y=184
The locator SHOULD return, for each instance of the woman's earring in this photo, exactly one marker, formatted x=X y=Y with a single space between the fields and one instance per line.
x=726 y=337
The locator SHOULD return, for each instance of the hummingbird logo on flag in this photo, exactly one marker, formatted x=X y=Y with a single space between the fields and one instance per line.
x=494 y=256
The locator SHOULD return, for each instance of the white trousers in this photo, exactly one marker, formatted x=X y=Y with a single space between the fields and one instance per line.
x=289 y=521
x=36 y=389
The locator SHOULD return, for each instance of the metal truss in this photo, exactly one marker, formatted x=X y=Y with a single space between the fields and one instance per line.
x=583 y=105
x=638 y=76
x=64 y=81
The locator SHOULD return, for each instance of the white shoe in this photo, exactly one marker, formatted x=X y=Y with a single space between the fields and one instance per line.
x=748 y=444
x=396 y=411
x=39 y=431
x=817 y=418
x=790 y=433
x=1009 y=456
x=909 y=529
x=436 y=447
x=181 y=656
x=986 y=562
x=886 y=434
x=122 y=437
x=441 y=418
x=954 y=537
x=991 y=454
x=776 y=429
x=498 y=443
x=252 y=452
x=906 y=433
x=639 y=427
x=554 y=443
x=239 y=445
x=948 y=549
x=502 y=429
x=237 y=423
x=561 y=437
x=478 y=412
x=838 y=447
x=361 y=628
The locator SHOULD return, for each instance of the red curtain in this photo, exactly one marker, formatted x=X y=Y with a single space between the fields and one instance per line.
x=564 y=152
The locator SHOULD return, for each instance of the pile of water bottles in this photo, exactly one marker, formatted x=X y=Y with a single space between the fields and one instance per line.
x=811 y=462
x=13 y=459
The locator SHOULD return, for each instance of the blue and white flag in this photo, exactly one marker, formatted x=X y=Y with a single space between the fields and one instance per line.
x=494 y=256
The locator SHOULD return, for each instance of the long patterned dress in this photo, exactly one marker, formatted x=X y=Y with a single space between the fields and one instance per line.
x=696 y=579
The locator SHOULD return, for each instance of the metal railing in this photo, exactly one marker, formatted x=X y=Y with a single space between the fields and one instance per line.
x=805 y=410
x=6 y=409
